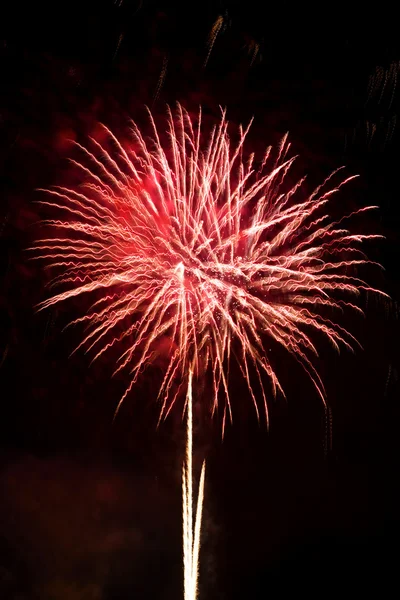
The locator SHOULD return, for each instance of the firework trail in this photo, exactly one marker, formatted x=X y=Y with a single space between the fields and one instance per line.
x=191 y=530
x=185 y=244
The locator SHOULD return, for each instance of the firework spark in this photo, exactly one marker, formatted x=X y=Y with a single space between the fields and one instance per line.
x=220 y=24
x=187 y=244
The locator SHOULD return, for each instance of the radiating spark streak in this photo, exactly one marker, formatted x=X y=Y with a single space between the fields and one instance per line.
x=162 y=77
x=253 y=50
x=215 y=29
x=191 y=529
x=4 y=356
x=186 y=240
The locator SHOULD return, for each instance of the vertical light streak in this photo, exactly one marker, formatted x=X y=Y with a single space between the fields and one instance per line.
x=191 y=529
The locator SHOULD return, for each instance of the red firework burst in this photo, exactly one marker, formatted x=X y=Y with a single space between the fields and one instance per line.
x=190 y=243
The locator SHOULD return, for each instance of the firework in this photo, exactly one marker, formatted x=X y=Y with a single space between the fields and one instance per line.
x=185 y=244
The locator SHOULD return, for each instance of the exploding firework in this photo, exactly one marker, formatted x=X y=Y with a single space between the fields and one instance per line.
x=190 y=247
x=187 y=245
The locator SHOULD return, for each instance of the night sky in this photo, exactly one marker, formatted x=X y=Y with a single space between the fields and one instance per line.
x=90 y=508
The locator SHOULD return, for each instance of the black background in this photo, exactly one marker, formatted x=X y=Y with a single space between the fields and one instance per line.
x=90 y=509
